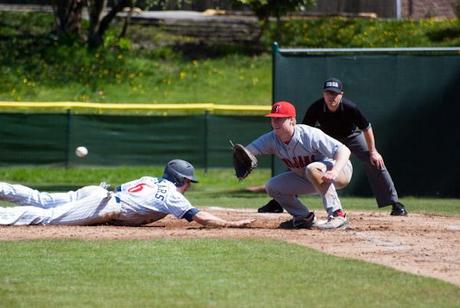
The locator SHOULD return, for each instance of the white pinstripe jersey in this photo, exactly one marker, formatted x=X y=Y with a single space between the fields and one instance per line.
x=148 y=199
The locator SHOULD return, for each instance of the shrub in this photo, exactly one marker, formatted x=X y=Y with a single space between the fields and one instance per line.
x=340 y=32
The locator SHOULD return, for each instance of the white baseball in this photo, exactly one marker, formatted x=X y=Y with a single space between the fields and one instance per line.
x=81 y=151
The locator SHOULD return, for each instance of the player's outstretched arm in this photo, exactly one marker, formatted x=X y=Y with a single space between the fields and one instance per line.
x=208 y=220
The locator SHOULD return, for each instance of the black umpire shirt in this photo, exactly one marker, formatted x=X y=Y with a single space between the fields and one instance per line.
x=339 y=124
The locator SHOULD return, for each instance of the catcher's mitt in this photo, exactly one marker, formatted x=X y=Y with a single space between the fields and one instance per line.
x=243 y=161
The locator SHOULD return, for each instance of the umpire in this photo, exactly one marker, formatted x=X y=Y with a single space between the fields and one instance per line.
x=341 y=119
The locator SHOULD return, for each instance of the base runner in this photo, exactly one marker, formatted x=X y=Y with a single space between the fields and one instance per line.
x=135 y=203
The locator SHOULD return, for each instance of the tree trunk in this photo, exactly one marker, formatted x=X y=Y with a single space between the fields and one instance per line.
x=127 y=21
x=68 y=17
x=98 y=26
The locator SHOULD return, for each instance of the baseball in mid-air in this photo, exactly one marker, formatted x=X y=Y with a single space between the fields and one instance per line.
x=81 y=151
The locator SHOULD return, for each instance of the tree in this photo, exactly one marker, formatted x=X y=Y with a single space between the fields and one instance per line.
x=68 y=18
x=98 y=25
x=264 y=9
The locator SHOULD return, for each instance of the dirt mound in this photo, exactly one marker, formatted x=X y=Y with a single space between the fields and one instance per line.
x=427 y=245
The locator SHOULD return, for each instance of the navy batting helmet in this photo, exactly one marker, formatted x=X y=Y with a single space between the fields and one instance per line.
x=177 y=170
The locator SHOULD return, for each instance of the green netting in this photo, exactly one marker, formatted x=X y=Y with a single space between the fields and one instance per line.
x=125 y=140
x=33 y=139
x=410 y=99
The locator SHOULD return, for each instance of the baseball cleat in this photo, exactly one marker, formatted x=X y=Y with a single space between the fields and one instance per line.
x=300 y=222
x=398 y=209
x=271 y=207
x=338 y=220
x=104 y=185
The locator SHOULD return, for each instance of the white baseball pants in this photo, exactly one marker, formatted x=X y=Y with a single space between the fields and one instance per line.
x=86 y=206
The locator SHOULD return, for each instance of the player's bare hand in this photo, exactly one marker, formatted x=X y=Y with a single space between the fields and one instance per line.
x=330 y=176
x=241 y=223
x=377 y=160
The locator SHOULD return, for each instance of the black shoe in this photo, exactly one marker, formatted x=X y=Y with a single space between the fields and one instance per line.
x=398 y=209
x=271 y=207
x=299 y=223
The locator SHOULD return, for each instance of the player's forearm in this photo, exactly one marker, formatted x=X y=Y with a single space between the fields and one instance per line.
x=252 y=149
x=341 y=158
x=208 y=220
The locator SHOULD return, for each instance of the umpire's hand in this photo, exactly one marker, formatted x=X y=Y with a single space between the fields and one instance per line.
x=377 y=160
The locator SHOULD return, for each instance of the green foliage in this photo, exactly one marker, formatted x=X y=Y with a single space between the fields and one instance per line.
x=24 y=24
x=202 y=273
x=40 y=60
x=340 y=32
x=152 y=66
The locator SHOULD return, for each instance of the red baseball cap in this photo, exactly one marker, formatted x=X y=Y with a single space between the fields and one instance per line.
x=282 y=109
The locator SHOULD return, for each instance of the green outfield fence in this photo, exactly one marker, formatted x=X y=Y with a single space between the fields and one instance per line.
x=410 y=96
x=38 y=133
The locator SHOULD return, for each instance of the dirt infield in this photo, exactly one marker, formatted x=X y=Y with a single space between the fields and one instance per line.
x=427 y=245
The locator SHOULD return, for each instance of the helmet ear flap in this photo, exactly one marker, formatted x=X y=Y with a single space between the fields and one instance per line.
x=178 y=171
x=171 y=175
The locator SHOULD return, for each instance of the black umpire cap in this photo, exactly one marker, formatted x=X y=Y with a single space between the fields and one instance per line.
x=333 y=85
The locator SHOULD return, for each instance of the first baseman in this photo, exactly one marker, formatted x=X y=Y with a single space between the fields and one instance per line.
x=317 y=163
x=135 y=203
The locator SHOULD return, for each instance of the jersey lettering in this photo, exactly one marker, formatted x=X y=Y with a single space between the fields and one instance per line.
x=137 y=188
x=161 y=191
x=298 y=161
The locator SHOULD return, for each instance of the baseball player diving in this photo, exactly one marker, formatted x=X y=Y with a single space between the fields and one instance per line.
x=135 y=203
x=317 y=163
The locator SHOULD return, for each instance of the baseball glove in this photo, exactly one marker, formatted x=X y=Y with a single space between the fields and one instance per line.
x=243 y=161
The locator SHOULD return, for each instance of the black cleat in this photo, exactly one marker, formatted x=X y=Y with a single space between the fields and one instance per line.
x=271 y=207
x=299 y=223
x=398 y=209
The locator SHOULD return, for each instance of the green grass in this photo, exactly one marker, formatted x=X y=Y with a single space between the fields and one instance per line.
x=203 y=273
x=217 y=187
x=214 y=180
x=228 y=80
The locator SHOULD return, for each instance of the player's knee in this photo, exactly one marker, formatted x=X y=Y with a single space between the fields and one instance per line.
x=272 y=189
x=94 y=192
x=88 y=191
x=102 y=192
x=269 y=188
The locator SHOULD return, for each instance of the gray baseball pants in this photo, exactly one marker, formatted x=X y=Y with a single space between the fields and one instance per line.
x=380 y=180
x=286 y=187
